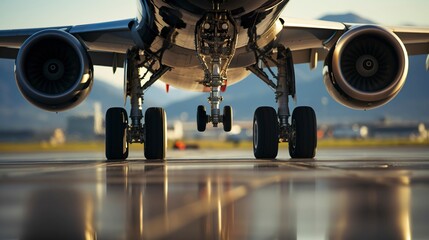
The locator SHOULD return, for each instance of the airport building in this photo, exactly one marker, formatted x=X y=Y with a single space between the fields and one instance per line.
x=86 y=127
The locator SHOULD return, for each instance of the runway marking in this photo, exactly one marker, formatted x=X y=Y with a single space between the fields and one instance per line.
x=37 y=171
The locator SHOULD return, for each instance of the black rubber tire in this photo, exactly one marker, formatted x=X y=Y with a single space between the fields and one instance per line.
x=116 y=134
x=227 y=118
x=201 y=118
x=303 y=140
x=155 y=145
x=265 y=133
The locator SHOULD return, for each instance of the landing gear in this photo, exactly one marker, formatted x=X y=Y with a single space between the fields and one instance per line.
x=303 y=135
x=155 y=135
x=119 y=133
x=215 y=41
x=116 y=134
x=269 y=127
x=202 y=118
x=265 y=133
x=227 y=118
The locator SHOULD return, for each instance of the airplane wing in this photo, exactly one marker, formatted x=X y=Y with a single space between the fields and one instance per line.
x=106 y=42
x=310 y=40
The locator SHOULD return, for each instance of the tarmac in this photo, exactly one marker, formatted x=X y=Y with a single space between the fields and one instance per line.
x=373 y=193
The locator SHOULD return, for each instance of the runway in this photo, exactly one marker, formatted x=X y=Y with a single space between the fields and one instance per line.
x=342 y=194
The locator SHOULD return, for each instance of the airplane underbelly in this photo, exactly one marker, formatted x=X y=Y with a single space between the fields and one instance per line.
x=183 y=15
x=190 y=78
x=178 y=57
x=236 y=7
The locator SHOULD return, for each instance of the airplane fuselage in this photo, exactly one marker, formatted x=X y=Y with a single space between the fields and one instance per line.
x=173 y=23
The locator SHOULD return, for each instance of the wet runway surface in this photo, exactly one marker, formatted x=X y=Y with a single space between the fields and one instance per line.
x=343 y=194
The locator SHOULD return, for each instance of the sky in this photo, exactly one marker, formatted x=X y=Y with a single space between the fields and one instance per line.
x=42 y=13
x=26 y=13
x=387 y=12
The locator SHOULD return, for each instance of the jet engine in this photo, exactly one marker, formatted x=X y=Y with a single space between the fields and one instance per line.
x=53 y=70
x=366 y=68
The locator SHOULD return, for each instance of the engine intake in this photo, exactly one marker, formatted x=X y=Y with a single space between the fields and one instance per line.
x=53 y=70
x=367 y=67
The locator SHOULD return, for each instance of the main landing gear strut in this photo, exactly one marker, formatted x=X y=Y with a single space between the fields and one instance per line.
x=119 y=132
x=271 y=127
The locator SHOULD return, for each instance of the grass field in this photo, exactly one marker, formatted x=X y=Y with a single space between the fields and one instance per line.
x=201 y=144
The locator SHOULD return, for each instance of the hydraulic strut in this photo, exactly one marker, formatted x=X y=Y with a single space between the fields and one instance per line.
x=284 y=87
x=135 y=90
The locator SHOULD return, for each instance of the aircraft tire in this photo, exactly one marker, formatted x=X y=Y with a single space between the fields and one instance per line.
x=201 y=118
x=227 y=118
x=303 y=139
x=116 y=134
x=265 y=133
x=155 y=145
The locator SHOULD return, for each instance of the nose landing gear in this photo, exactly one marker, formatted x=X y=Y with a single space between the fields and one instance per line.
x=215 y=41
x=203 y=118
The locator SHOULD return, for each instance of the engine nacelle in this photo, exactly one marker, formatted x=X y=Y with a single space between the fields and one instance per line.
x=366 y=68
x=53 y=70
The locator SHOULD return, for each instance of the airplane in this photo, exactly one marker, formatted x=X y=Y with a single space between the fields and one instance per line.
x=207 y=46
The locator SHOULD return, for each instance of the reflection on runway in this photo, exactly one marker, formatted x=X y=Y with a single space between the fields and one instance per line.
x=380 y=211
x=214 y=199
x=58 y=214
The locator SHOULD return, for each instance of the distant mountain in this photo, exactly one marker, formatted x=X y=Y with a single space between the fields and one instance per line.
x=346 y=18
